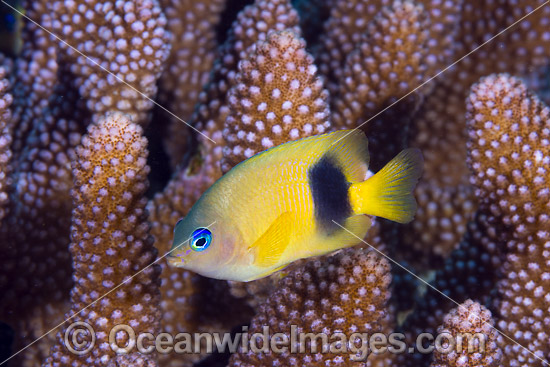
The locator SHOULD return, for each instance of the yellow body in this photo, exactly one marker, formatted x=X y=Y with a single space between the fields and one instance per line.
x=262 y=213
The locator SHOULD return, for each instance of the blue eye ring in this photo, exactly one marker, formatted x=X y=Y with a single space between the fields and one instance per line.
x=200 y=239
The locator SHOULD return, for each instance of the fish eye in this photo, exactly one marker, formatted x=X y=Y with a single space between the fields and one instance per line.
x=201 y=239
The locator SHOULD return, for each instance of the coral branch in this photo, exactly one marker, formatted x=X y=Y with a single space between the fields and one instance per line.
x=486 y=239
x=34 y=74
x=470 y=338
x=346 y=25
x=509 y=132
x=388 y=63
x=252 y=24
x=5 y=141
x=345 y=293
x=110 y=238
x=439 y=129
x=277 y=98
x=134 y=45
x=36 y=233
x=187 y=69
x=182 y=290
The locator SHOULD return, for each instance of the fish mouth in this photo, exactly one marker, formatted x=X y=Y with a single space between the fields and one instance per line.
x=175 y=261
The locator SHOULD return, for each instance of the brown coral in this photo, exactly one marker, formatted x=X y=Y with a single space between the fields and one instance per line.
x=346 y=25
x=440 y=221
x=470 y=338
x=277 y=98
x=470 y=271
x=184 y=290
x=39 y=221
x=445 y=198
x=439 y=129
x=132 y=49
x=48 y=118
x=351 y=21
x=509 y=131
x=112 y=251
x=187 y=69
x=5 y=141
x=253 y=24
x=345 y=293
x=34 y=75
x=388 y=63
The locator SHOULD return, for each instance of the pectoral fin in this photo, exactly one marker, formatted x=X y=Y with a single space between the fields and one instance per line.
x=271 y=245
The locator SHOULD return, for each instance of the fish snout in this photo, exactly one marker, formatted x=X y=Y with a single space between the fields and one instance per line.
x=175 y=261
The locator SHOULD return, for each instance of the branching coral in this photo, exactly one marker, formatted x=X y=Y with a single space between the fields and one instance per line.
x=371 y=54
x=35 y=234
x=471 y=339
x=388 y=63
x=5 y=141
x=470 y=271
x=351 y=21
x=439 y=130
x=509 y=131
x=277 y=98
x=126 y=38
x=443 y=114
x=252 y=24
x=110 y=240
x=34 y=75
x=440 y=220
x=345 y=293
x=192 y=53
x=47 y=123
x=344 y=29
x=187 y=69
x=505 y=244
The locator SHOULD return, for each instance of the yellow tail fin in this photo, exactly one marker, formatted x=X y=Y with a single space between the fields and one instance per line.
x=388 y=194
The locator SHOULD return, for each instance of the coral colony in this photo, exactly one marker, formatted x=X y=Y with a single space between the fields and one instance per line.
x=82 y=136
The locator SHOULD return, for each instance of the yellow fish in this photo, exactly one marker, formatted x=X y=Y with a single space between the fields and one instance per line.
x=291 y=202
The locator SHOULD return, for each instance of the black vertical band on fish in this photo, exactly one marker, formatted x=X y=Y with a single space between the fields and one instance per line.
x=329 y=188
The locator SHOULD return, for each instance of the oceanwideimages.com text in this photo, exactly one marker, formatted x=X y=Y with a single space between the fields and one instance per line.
x=80 y=338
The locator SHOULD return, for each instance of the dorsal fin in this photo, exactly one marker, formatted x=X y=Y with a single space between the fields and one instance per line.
x=349 y=148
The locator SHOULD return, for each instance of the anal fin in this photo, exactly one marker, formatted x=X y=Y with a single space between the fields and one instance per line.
x=273 y=242
x=280 y=275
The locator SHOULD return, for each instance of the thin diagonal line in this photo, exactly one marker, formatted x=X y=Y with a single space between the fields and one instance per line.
x=99 y=299
x=447 y=68
x=438 y=291
x=106 y=70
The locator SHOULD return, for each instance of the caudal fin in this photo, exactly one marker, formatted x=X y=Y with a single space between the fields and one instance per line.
x=388 y=194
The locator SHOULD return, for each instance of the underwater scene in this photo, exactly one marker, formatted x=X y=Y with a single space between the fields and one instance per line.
x=272 y=183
